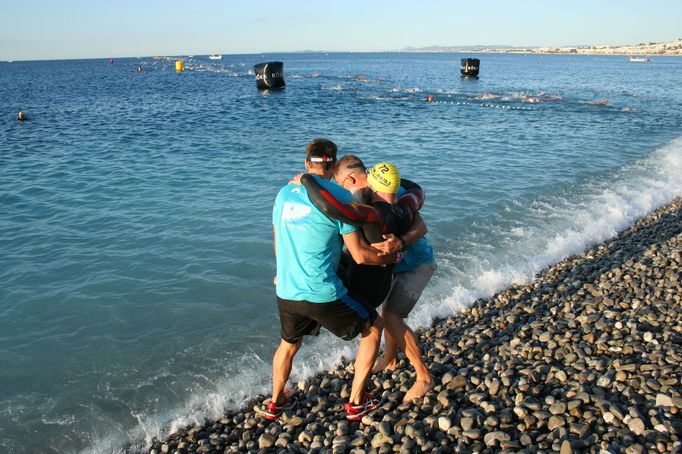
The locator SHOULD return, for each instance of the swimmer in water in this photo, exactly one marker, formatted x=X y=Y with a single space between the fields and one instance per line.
x=21 y=116
x=487 y=95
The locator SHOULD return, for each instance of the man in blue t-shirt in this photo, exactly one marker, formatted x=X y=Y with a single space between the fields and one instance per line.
x=310 y=295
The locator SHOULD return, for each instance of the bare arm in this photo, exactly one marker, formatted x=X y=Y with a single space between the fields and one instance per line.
x=362 y=253
x=393 y=244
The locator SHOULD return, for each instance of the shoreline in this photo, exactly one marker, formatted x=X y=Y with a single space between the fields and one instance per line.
x=586 y=356
x=537 y=52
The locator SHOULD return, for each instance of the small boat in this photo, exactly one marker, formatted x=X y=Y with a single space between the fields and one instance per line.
x=215 y=57
x=639 y=58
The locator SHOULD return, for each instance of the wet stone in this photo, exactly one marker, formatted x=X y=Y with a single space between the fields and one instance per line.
x=467 y=423
x=266 y=440
x=444 y=423
x=295 y=421
x=663 y=400
x=561 y=376
x=636 y=425
x=525 y=439
x=380 y=439
x=555 y=422
x=565 y=447
x=492 y=438
x=456 y=383
x=558 y=408
x=474 y=434
x=573 y=404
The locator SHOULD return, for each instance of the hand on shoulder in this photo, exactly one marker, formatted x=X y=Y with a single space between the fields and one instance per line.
x=296 y=179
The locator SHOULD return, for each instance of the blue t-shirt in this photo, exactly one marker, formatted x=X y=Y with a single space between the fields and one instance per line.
x=308 y=245
x=420 y=253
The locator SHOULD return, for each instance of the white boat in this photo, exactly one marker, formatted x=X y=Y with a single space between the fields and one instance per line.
x=215 y=57
x=639 y=58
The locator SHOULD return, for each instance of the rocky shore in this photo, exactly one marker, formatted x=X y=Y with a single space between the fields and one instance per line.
x=585 y=358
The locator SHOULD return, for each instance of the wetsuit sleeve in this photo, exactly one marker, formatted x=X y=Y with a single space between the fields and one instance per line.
x=337 y=203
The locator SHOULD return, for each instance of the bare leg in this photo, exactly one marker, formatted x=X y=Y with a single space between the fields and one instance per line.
x=364 y=359
x=281 y=368
x=405 y=339
x=389 y=360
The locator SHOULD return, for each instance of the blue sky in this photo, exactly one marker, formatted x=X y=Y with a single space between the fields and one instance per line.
x=51 y=29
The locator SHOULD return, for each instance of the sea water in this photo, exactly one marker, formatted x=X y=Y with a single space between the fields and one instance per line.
x=136 y=256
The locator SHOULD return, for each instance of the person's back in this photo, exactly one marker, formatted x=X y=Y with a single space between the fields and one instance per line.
x=308 y=245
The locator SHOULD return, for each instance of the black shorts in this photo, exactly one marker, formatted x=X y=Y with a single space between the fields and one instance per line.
x=345 y=318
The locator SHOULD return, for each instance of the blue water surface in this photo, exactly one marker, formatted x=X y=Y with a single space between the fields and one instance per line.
x=136 y=255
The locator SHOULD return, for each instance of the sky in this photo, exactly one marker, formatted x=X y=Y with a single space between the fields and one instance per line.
x=52 y=29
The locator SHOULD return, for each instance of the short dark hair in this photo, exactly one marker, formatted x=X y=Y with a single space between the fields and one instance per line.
x=348 y=163
x=321 y=151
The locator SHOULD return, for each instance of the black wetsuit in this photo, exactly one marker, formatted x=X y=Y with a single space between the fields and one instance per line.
x=370 y=284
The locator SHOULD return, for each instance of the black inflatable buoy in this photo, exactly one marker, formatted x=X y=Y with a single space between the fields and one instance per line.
x=269 y=75
x=469 y=67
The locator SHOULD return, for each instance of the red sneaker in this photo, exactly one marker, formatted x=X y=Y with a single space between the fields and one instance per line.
x=355 y=412
x=272 y=411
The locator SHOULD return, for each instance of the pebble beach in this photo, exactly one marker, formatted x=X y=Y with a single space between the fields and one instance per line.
x=587 y=357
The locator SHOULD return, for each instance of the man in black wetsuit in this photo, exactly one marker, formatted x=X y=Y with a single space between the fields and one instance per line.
x=370 y=282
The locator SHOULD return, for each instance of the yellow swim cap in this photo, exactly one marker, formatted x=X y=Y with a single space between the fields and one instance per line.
x=384 y=177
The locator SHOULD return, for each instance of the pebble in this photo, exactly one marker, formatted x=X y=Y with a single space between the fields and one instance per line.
x=380 y=439
x=457 y=383
x=491 y=438
x=566 y=447
x=474 y=434
x=444 y=423
x=467 y=423
x=586 y=357
x=561 y=376
x=663 y=400
x=555 y=422
x=636 y=425
x=558 y=409
x=267 y=440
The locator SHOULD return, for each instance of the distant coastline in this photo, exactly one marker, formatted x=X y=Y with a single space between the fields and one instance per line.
x=663 y=48
x=669 y=48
